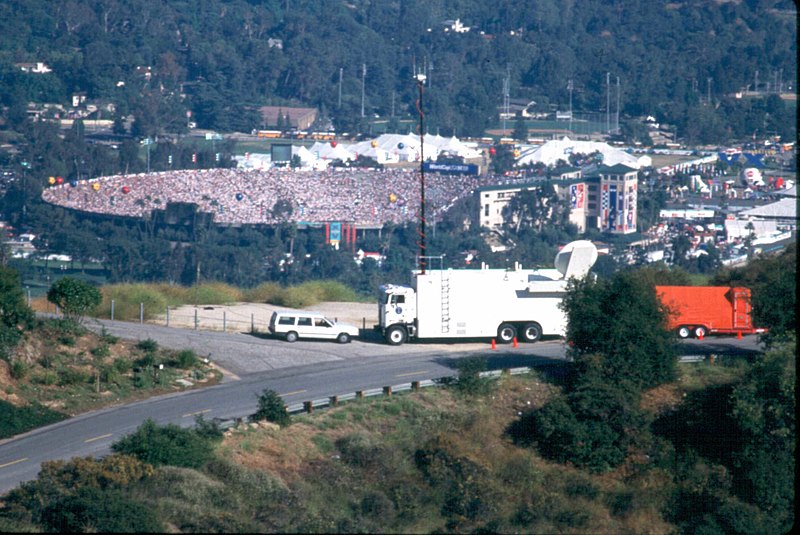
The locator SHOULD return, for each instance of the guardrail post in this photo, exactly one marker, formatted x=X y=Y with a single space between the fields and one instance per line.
x=112 y=309
x=415 y=386
x=359 y=394
x=308 y=406
x=195 y=319
x=224 y=320
x=167 y=316
x=505 y=371
x=387 y=391
x=141 y=312
x=364 y=323
x=334 y=401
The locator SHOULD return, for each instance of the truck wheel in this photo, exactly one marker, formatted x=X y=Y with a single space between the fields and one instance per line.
x=684 y=331
x=343 y=338
x=506 y=333
x=396 y=335
x=699 y=332
x=291 y=336
x=531 y=332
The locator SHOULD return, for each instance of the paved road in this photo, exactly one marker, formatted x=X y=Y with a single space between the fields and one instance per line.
x=299 y=372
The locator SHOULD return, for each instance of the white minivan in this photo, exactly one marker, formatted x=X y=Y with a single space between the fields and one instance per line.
x=294 y=324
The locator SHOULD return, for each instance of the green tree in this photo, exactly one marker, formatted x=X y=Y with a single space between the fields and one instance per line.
x=74 y=297
x=765 y=414
x=520 y=128
x=166 y=445
x=14 y=312
x=621 y=320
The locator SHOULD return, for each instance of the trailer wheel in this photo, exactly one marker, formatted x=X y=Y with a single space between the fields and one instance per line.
x=506 y=333
x=343 y=338
x=684 y=331
x=699 y=332
x=396 y=335
x=291 y=336
x=531 y=332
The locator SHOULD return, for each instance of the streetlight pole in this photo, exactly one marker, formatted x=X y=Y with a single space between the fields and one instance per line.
x=420 y=78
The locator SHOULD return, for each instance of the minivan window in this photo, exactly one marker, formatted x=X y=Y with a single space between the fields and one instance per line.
x=286 y=320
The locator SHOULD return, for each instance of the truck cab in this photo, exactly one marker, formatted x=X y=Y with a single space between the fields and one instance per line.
x=397 y=312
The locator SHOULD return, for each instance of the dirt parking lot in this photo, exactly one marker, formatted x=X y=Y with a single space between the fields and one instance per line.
x=244 y=317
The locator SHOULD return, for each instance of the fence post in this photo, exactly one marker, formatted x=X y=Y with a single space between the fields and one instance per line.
x=334 y=401
x=387 y=391
x=224 y=321
x=252 y=323
x=167 y=316
x=415 y=386
x=112 y=309
x=308 y=406
x=141 y=312
x=359 y=394
x=195 y=319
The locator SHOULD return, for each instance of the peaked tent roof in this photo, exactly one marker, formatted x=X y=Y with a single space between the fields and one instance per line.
x=783 y=209
x=560 y=149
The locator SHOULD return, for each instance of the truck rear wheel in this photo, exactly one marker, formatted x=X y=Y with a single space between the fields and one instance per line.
x=531 y=332
x=506 y=333
x=396 y=335
x=684 y=331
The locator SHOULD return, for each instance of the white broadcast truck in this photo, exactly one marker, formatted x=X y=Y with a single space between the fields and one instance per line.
x=483 y=303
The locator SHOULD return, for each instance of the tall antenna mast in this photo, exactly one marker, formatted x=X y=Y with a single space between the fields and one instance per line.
x=340 y=87
x=420 y=78
x=506 y=99
x=616 y=129
x=569 y=88
x=608 y=102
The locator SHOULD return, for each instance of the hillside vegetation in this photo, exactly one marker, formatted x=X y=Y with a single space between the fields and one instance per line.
x=439 y=460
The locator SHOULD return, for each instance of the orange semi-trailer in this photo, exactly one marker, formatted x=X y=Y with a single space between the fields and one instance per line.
x=700 y=310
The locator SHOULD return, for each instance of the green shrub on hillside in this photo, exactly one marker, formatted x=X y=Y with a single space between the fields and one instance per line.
x=15 y=420
x=213 y=293
x=266 y=292
x=166 y=445
x=128 y=299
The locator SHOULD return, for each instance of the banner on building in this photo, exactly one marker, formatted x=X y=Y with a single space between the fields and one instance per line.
x=450 y=168
x=576 y=194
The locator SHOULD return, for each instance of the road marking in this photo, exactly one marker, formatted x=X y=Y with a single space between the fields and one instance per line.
x=292 y=393
x=98 y=438
x=14 y=462
x=195 y=413
x=412 y=373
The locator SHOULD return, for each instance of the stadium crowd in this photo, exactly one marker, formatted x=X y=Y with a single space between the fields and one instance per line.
x=365 y=197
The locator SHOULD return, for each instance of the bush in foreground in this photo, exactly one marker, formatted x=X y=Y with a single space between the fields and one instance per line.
x=166 y=445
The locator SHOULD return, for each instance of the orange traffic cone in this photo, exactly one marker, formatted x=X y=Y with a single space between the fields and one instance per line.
x=515 y=342
x=494 y=344
x=739 y=335
x=700 y=337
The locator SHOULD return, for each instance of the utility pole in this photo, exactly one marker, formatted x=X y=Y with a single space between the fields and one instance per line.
x=616 y=130
x=506 y=96
x=608 y=102
x=340 y=87
x=708 y=90
x=569 y=88
x=363 y=79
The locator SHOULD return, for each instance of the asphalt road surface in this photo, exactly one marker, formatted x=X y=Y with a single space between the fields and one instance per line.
x=303 y=371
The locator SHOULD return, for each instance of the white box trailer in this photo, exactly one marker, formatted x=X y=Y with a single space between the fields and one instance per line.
x=485 y=303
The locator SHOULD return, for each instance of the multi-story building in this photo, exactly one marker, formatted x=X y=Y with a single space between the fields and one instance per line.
x=606 y=200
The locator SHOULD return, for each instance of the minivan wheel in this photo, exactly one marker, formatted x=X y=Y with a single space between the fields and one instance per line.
x=291 y=336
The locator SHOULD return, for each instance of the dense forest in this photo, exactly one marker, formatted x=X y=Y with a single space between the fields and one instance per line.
x=219 y=59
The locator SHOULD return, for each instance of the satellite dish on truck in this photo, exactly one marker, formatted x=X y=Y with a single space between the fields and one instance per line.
x=576 y=259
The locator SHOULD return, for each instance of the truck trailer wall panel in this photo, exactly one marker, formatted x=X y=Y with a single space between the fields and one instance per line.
x=715 y=307
x=473 y=303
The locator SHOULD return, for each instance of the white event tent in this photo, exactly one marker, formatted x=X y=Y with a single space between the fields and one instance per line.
x=560 y=149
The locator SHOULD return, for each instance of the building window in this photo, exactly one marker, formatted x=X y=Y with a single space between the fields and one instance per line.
x=592 y=197
x=592 y=206
x=486 y=210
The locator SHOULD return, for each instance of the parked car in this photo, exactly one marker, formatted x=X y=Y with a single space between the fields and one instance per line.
x=294 y=324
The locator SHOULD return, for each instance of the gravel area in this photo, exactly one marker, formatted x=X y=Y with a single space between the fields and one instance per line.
x=243 y=317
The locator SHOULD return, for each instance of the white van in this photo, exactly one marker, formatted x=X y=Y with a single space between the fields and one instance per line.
x=294 y=324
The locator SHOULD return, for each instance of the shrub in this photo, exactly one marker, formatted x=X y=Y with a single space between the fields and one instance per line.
x=186 y=359
x=267 y=292
x=271 y=409
x=215 y=293
x=74 y=297
x=148 y=346
x=166 y=445
x=469 y=380
x=104 y=510
x=15 y=420
x=18 y=369
x=101 y=351
x=122 y=365
x=71 y=376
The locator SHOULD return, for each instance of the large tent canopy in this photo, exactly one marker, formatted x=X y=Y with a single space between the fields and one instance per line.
x=560 y=149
